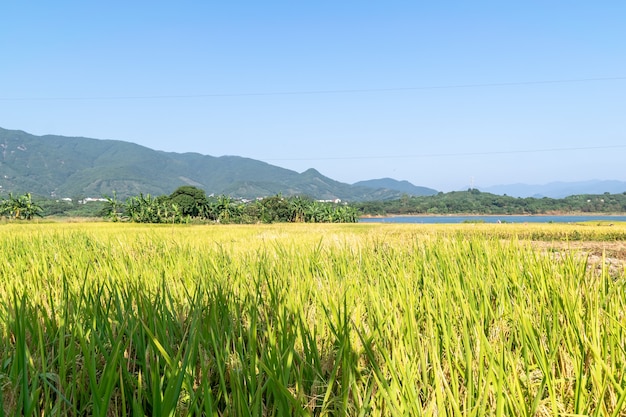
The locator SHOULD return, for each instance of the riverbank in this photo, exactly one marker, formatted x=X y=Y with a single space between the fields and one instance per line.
x=556 y=213
x=476 y=218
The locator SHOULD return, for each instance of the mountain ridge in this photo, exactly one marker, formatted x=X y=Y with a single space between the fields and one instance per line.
x=62 y=166
x=65 y=166
x=391 y=184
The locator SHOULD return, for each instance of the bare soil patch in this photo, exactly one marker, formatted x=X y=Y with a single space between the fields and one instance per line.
x=613 y=253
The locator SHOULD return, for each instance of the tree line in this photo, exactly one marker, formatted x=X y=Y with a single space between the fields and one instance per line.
x=188 y=204
x=473 y=201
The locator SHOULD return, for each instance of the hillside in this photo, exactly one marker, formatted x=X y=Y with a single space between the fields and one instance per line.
x=477 y=202
x=395 y=185
x=75 y=166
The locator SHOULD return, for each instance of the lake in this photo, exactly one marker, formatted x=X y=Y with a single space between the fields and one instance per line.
x=492 y=219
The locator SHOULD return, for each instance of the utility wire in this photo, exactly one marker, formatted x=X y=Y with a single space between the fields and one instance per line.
x=312 y=92
x=437 y=155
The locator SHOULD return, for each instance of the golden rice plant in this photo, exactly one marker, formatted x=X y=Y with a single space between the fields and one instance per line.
x=271 y=320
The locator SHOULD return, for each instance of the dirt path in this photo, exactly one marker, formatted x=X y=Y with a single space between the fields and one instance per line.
x=614 y=253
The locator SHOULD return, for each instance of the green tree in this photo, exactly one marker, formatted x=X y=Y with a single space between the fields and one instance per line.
x=346 y=214
x=147 y=209
x=20 y=208
x=225 y=209
x=314 y=212
x=298 y=208
x=190 y=200
x=114 y=208
x=274 y=209
x=5 y=208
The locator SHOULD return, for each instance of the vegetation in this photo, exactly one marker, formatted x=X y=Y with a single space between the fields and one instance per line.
x=475 y=202
x=275 y=208
x=189 y=203
x=402 y=186
x=76 y=207
x=61 y=167
x=185 y=205
x=379 y=320
x=20 y=208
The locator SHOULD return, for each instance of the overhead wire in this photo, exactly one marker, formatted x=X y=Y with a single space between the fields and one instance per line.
x=315 y=92
x=450 y=154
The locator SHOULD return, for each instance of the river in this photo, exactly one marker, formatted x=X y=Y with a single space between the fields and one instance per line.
x=493 y=219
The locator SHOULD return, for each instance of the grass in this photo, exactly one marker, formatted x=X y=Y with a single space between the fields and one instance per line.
x=107 y=319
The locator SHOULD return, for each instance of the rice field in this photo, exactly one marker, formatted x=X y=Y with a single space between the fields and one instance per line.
x=112 y=319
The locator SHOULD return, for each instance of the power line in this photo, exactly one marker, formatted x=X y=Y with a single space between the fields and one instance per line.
x=312 y=92
x=439 y=155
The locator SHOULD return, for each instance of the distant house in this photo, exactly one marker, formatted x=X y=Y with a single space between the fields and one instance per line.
x=90 y=199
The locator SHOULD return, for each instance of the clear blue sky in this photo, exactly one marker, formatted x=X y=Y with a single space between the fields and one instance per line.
x=436 y=93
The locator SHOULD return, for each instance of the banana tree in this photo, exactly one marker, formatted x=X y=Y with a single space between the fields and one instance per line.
x=298 y=208
x=114 y=208
x=226 y=209
x=21 y=208
x=314 y=212
x=345 y=214
x=5 y=208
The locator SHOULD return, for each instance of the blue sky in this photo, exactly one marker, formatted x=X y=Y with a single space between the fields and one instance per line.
x=437 y=93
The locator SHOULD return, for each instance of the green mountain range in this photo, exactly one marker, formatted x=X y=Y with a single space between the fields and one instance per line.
x=59 y=166
x=402 y=186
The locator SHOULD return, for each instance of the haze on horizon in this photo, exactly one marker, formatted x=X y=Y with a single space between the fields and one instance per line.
x=443 y=95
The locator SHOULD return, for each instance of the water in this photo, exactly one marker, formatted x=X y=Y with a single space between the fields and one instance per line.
x=492 y=219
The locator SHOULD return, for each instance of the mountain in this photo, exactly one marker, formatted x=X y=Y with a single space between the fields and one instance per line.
x=74 y=166
x=404 y=187
x=558 y=189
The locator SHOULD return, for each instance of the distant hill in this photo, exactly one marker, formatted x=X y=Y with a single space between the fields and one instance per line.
x=62 y=166
x=404 y=187
x=558 y=189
